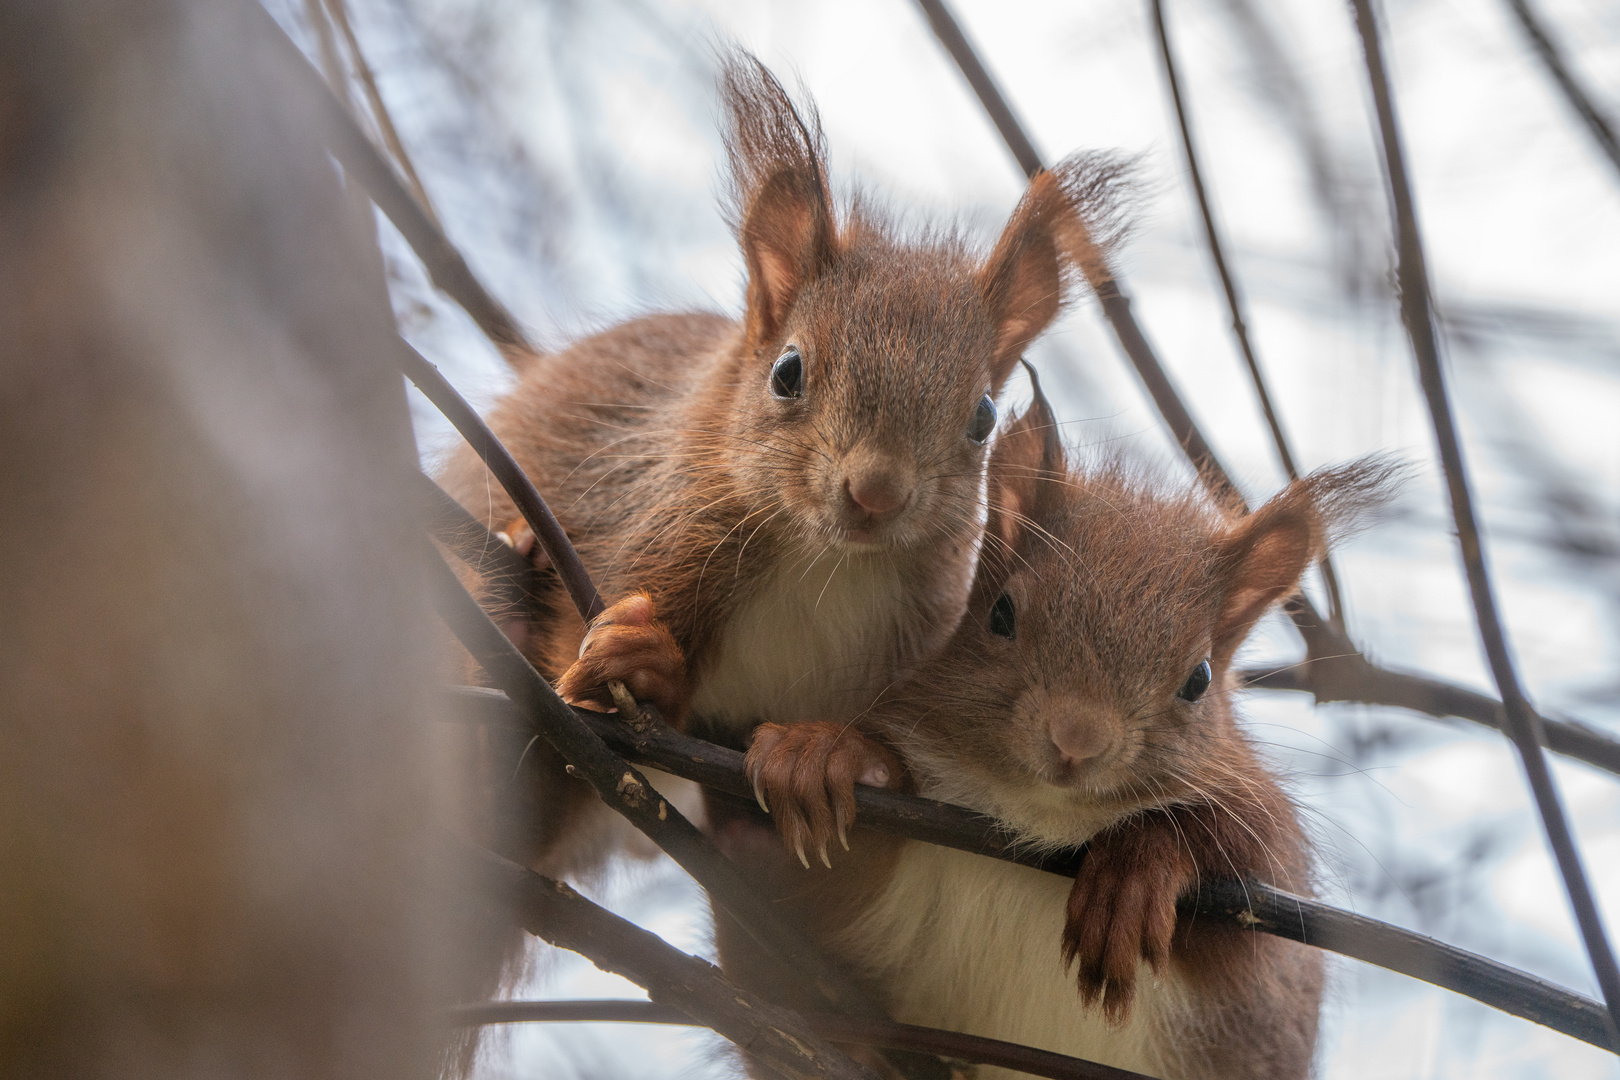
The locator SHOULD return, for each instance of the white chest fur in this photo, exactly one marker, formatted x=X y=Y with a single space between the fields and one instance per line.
x=818 y=642
x=972 y=944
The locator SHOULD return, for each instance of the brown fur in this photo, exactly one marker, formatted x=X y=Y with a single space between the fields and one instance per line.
x=1120 y=591
x=682 y=479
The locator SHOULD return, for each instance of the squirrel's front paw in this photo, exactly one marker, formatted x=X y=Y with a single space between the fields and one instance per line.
x=1122 y=909
x=625 y=643
x=804 y=776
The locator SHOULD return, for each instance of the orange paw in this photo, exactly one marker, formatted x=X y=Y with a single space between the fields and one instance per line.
x=626 y=644
x=1122 y=909
x=804 y=776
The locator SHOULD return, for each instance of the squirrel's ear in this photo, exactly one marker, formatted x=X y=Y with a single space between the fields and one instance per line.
x=783 y=208
x=1262 y=558
x=1261 y=561
x=1025 y=468
x=1022 y=281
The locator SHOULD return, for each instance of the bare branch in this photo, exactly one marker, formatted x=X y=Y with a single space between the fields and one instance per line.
x=974 y=1049
x=339 y=11
x=1520 y=721
x=1250 y=904
x=1351 y=677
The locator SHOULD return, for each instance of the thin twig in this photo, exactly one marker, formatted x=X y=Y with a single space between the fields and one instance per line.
x=1234 y=303
x=339 y=11
x=547 y=530
x=553 y=911
x=1251 y=905
x=974 y=1049
x=1520 y=722
x=1602 y=129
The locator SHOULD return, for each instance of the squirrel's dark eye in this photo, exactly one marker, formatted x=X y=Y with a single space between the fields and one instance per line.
x=1196 y=683
x=787 y=374
x=984 y=421
x=1001 y=617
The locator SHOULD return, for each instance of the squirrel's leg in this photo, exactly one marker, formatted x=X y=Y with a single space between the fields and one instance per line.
x=804 y=776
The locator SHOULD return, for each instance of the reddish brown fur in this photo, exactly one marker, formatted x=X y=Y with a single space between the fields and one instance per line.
x=680 y=477
x=1120 y=590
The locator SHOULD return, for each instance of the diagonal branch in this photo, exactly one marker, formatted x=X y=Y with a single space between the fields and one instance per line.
x=1520 y=722
x=1351 y=677
x=629 y=793
x=362 y=160
x=339 y=12
x=547 y=529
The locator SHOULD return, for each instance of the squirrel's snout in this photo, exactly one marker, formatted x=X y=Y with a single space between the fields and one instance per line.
x=875 y=488
x=876 y=493
x=1079 y=733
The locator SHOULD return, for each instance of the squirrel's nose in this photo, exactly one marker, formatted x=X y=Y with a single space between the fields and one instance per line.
x=877 y=493
x=1079 y=734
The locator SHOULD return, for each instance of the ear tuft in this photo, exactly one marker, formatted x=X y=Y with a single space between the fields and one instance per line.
x=782 y=206
x=1264 y=555
x=1025 y=467
x=1068 y=220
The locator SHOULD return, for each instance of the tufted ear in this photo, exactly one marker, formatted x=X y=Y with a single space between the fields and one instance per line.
x=778 y=175
x=1026 y=467
x=1261 y=562
x=1022 y=281
x=1263 y=556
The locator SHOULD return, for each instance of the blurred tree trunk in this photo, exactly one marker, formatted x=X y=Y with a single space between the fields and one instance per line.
x=216 y=783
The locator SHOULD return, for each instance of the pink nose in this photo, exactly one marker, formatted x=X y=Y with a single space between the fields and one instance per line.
x=876 y=493
x=1079 y=735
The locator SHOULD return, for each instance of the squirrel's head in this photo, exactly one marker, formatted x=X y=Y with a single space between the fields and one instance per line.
x=870 y=364
x=1091 y=674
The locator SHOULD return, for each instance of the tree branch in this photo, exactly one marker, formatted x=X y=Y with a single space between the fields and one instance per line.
x=1251 y=905
x=1351 y=677
x=1520 y=722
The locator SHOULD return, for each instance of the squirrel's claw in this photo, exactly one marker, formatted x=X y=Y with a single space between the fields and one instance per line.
x=627 y=644
x=1122 y=911
x=808 y=773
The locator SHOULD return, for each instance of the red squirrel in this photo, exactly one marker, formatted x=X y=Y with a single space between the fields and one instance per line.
x=1085 y=696
x=786 y=507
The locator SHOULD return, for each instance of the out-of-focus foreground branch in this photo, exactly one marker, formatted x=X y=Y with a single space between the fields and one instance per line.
x=972 y=1049
x=1599 y=125
x=553 y=911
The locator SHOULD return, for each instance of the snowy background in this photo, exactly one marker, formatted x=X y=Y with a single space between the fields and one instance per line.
x=571 y=149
